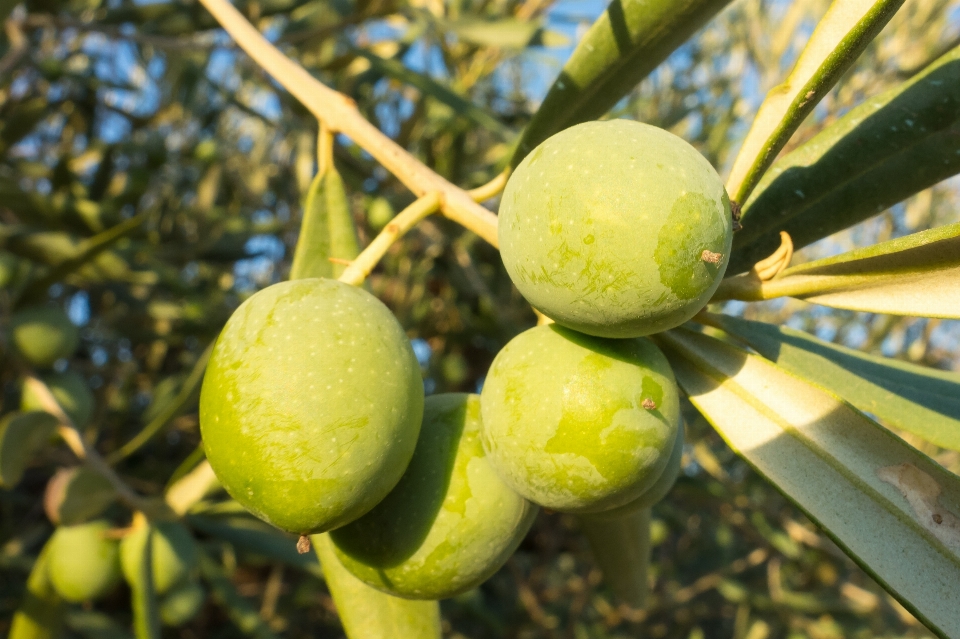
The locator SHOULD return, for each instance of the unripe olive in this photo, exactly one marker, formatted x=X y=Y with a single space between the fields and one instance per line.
x=182 y=603
x=70 y=390
x=43 y=334
x=84 y=564
x=450 y=522
x=311 y=404
x=174 y=554
x=578 y=423
x=656 y=492
x=616 y=229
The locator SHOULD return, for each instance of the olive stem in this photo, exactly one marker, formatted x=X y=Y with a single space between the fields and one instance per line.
x=339 y=113
x=69 y=433
x=360 y=268
x=325 y=142
x=491 y=188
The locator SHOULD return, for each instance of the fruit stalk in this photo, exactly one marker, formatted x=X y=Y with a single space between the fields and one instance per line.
x=367 y=613
x=622 y=549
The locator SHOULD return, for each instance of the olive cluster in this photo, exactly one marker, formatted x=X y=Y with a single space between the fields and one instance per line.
x=313 y=412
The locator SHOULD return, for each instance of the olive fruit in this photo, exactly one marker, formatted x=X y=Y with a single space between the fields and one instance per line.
x=83 y=563
x=615 y=229
x=174 y=554
x=311 y=404
x=182 y=603
x=70 y=390
x=656 y=492
x=450 y=522
x=43 y=334
x=578 y=423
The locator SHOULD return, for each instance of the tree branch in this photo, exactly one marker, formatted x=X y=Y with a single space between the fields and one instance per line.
x=339 y=113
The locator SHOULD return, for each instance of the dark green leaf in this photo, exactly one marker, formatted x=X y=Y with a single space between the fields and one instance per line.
x=888 y=148
x=253 y=536
x=243 y=615
x=75 y=495
x=623 y=46
x=22 y=435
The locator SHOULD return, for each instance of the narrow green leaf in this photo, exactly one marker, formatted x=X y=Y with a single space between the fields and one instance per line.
x=621 y=548
x=509 y=33
x=628 y=41
x=40 y=615
x=78 y=494
x=143 y=596
x=917 y=399
x=327 y=229
x=916 y=275
x=165 y=412
x=243 y=615
x=253 y=536
x=22 y=435
x=460 y=104
x=888 y=148
x=95 y=625
x=839 y=39
x=367 y=613
x=892 y=509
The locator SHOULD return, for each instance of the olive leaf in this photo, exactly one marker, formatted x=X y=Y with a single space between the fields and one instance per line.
x=75 y=495
x=881 y=152
x=628 y=41
x=243 y=615
x=22 y=435
x=839 y=39
x=621 y=548
x=891 y=508
x=143 y=595
x=460 y=104
x=917 y=399
x=95 y=625
x=327 y=230
x=916 y=275
x=40 y=615
x=367 y=613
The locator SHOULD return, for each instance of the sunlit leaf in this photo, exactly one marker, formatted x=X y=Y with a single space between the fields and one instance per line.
x=509 y=33
x=629 y=40
x=881 y=152
x=892 y=509
x=839 y=39
x=75 y=495
x=327 y=230
x=367 y=613
x=22 y=435
x=917 y=399
x=917 y=275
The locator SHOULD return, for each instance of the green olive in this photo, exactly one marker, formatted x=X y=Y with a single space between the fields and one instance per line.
x=311 y=404
x=84 y=564
x=616 y=229
x=174 y=554
x=578 y=423
x=43 y=334
x=182 y=603
x=71 y=391
x=656 y=492
x=450 y=522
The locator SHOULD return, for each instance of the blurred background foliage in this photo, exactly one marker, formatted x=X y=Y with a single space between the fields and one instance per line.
x=151 y=179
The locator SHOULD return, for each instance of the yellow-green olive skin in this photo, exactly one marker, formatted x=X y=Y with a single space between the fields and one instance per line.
x=449 y=524
x=311 y=404
x=577 y=423
x=175 y=555
x=656 y=492
x=615 y=229
x=43 y=334
x=83 y=562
